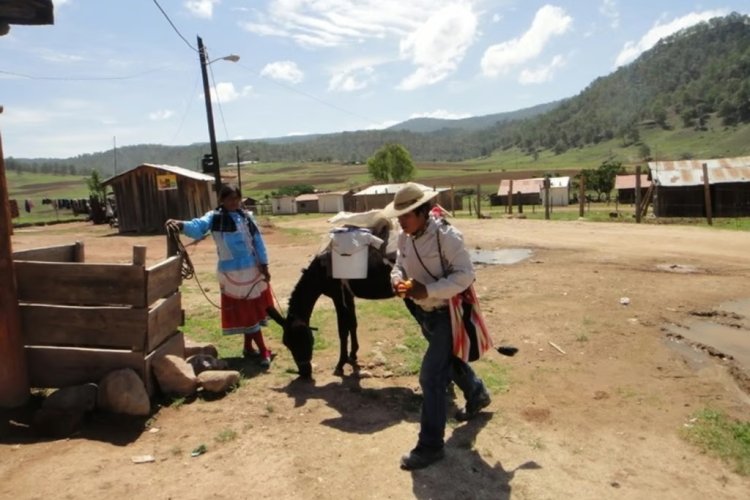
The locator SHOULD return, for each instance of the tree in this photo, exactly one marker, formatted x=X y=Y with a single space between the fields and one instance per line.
x=391 y=162
x=602 y=180
x=96 y=189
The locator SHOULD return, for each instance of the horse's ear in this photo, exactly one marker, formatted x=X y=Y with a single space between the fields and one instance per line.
x=276 y=316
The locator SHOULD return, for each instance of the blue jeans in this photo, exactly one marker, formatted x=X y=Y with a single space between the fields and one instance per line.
x=439 y=367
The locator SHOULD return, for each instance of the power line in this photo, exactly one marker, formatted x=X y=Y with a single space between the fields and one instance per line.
x=311 y=96
x=218 y=102
x=79 y=79
x=174 y=27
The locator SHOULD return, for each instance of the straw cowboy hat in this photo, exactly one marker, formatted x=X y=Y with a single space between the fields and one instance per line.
x=409 y=197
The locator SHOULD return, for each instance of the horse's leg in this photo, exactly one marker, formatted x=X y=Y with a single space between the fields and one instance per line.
x=342 y=321
x=352 y=316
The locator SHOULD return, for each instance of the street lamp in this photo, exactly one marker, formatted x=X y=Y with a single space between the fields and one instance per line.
x=209 y=112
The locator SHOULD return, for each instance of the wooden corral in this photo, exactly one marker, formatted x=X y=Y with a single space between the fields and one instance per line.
x=80 y=321
x=145 y=200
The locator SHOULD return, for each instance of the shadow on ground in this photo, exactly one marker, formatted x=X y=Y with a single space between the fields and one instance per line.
x=464 y=472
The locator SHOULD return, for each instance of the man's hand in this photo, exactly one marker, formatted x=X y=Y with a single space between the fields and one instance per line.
x=417 y=291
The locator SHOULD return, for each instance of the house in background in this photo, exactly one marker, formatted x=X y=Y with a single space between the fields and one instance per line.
x=531 y=192
x=625 y=187
x=380 y=195
x=307 y=203
x=679 y=187
x=335 y=202
x=283 y=205
x=147 y=195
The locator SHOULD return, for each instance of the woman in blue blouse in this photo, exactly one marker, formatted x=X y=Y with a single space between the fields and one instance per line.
x=242 y=268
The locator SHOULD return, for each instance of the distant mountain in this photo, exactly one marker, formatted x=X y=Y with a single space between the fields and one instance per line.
x=697 y=76
x=427 y=125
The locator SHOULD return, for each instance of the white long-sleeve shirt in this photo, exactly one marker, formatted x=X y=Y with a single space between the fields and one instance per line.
x=459 y=271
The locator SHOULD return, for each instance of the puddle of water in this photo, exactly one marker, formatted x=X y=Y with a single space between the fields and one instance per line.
x=506 y=256
x=730 y=341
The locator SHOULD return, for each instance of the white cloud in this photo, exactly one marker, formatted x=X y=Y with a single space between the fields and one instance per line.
x=23 y=116
x=548 y=22
x=439 y=45
x=162 y=114
x=225 y=92
x=201 y=8
x=496 y=18
x=608 y=9
x=60 y=3
x=333 y=23
x=441 y=114
x=541 y=74
x=632 y=50
x=352 y=79
x=59 y=57
x=285 y=71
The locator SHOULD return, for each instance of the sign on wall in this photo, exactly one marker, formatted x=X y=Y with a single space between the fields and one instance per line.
x=165 y=182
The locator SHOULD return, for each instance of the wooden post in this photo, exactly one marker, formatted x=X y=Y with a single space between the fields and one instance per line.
x=546 y=198
x=14 y=378
x=453 y=200
x=581 y=195
x=520 y=203
x=139 y=256
x=707 y=194
x=78 y=253
x=479 y=204
x=510 y=196
x=638 y=194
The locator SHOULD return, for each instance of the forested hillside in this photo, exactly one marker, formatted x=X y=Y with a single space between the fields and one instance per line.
x=696 y=81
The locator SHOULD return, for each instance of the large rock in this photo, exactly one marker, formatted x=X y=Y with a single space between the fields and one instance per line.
x=175 y=376
x=219 y=381
x=192 y=348
x=77 y=398
x=122 y=391
x=203 y=362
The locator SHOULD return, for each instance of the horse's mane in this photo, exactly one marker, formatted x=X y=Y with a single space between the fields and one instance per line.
x=307 y=290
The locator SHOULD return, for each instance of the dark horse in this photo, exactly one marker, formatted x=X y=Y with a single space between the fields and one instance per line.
x=316 y=281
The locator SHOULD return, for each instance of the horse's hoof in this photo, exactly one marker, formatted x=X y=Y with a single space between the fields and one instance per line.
x=338 y=372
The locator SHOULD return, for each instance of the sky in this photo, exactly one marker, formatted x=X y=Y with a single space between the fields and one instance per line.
x=118 y=73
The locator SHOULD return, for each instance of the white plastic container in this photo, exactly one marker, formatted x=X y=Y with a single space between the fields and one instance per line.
x=349 y=251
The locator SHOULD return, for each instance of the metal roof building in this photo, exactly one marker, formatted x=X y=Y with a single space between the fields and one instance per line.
x=378 y=196
x=625 y=187
x=679 y=187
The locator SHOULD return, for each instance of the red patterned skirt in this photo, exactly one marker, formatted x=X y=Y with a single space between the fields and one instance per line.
x=245 y=315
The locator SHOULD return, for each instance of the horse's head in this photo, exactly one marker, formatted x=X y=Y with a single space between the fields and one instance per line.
x=298 y=338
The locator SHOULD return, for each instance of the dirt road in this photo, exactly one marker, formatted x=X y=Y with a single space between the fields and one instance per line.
x=601 y=420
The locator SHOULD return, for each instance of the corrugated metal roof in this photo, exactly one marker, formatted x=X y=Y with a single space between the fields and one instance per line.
x=307 y=197
x=628 y=181
x=531 y=186
x=391 y=189
x=333 y=193
x=192 y=174
x=690 y=172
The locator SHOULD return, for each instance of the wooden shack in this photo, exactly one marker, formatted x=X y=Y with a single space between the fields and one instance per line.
x=80 y=321
x=625 y=187
x=148 y=195
x=307 y=203
x=680 y=189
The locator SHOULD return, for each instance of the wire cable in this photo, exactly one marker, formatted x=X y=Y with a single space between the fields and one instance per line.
x=79 y=79
x=174 y=27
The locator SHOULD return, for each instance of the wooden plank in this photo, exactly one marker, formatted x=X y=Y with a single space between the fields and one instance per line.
x=164 y=318
x=78 y=326
x=64 y=366
x=173 y=345
x=58 y=253
x=163 y=279
x=73 y=283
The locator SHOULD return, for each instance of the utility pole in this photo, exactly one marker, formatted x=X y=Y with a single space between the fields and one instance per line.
x=239 y=175
x=210 y=116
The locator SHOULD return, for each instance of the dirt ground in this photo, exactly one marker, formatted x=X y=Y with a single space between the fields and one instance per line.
x=601 y=420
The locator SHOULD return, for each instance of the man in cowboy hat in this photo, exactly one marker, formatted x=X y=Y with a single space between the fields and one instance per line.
x=432 y=265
